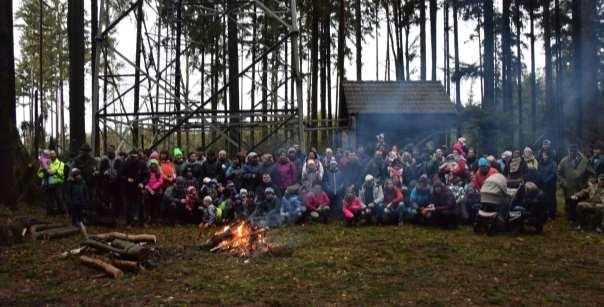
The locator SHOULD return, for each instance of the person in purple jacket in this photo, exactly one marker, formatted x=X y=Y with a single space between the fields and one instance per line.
x=284 y=172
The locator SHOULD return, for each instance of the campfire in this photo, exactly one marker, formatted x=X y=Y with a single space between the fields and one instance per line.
x=239 y=239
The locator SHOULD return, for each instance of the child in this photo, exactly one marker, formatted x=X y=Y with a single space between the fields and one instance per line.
x=209 y=212
x=317 y=203
x=352 y=208
x=78 y=196
x=292 y=208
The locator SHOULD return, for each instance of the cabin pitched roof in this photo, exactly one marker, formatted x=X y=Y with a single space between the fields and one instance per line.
x=405 y=97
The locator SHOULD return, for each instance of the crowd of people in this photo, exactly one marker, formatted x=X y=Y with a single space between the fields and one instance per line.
x=377 y=184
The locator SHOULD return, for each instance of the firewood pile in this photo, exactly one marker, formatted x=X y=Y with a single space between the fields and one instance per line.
x=242 y=240
x=114 y=252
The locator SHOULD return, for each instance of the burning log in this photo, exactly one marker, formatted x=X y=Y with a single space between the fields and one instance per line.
x=102 y=265
x=239 y=239
x=110 y=236
x=218 y=237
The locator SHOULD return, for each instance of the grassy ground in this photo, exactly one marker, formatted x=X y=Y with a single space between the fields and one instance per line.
x=330 y=264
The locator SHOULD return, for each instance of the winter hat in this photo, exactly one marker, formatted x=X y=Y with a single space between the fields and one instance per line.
x=423 y=178
x=154 y=156
x=75 y=172
x=153 y=161
x=191 y=190
x=243 y=192
x=207 y=180
x=230 y=184
x=450 y=157
x=207 y=200
x=482 y=162
x=269 y=190
x=177 y=152
x=368 y=178
x=462 y=140
x=506 y=154
x=547 y=142
x=438 y=183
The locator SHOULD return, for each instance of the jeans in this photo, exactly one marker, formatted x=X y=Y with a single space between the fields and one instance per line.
x=54 y=199
x=76 y=212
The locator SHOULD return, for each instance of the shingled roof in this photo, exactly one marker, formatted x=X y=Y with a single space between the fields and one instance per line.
x=396 y=97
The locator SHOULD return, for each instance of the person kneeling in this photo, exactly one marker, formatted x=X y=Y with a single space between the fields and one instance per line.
x=590 y=209
x=441 y=211
x=292 y=208
x=317 y=203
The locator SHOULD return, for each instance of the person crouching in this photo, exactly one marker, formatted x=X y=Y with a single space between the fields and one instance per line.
x=317 y=204
x=442 y=209
x=352 y=208
x=292 y=209
x=393 y=203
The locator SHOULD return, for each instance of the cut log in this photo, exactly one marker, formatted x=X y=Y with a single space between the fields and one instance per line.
x=100 y=246
x=110 y=236
x=102 y=265
x=127 y=265
x=57 y=233
x=34 y=230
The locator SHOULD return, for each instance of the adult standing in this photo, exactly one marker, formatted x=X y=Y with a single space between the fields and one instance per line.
x=548 y=183
x=54 y=176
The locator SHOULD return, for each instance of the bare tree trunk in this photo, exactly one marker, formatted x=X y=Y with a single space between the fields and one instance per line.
x=422 y=38
x=76 y=75
x=550 y=109
x=234 y=132
x=314 y=58
x=433 y=11
x=359 y=38
x=533 y=75
x=8 y=116
x=517 y=21
x=342 y=110
x=488 y=102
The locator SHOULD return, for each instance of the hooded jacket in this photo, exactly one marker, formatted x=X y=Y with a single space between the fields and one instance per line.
x=284 y=174
x=377 y=193
x=478 y=179
x=494 y=190
x=313 y=201
x=351 y=208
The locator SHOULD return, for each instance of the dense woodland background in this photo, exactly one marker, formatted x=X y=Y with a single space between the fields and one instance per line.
x=515 y=107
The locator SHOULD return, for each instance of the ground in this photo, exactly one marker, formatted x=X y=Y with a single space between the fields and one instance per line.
x=329 y=264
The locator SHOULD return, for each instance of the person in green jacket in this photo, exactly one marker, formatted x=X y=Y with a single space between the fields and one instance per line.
x=590 y=209
x=572 y=175
x=53 y=176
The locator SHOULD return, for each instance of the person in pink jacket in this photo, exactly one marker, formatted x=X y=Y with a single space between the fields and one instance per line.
x=317 y=203
x=153 y=192
x=285 y=172
x=352 y=208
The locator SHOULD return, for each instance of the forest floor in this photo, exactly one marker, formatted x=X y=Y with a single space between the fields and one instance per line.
x=330 y=265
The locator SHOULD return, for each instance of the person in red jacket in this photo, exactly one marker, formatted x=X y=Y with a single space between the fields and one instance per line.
x=484 y=171
x=454 y=167
x=352 y=209
x=393 y=203
x=317 y=203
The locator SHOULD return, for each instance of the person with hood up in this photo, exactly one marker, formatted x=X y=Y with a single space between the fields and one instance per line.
x=548 y=182
x=442 y=209
x=249 y=173
x=293 y=156
x=332 y=182
x=153 y=191
x=393 y=203
x=311 y=175
x=284 y=172
x=292 y=209
x=317 y=203
x=77 y=194
x=590 y=210
x=174 y=200
x=573 y=175
x=484 y=172
x=352 y=208
x=167 y=168
x=372 y=198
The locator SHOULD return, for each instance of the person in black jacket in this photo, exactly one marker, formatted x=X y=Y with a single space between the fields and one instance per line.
x=133 y=175
x=211 y=167
x=110 y=184
x=77 y=194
